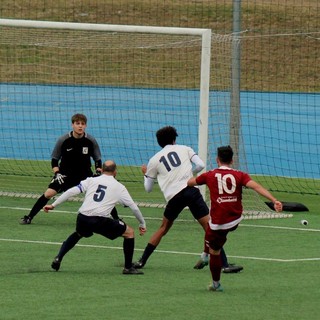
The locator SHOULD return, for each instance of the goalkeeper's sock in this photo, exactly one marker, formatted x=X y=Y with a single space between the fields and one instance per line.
x=41 y=202
x=128 y=248
x=68 y=244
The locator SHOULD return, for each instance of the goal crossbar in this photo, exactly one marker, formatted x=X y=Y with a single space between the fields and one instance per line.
x=102 y=27
x=205 y=35
x=194 y=65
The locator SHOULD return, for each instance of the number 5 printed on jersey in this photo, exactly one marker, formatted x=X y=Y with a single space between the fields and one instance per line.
x=100 y=193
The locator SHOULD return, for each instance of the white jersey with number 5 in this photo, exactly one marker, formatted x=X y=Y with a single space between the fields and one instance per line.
x=101 y=195
x=172 y=167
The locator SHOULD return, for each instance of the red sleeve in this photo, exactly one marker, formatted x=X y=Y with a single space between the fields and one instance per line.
x=245 y=179
x=202 y=179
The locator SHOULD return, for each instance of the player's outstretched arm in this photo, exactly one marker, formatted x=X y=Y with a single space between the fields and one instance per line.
x=142 y=231
x=48 y=207
x=127 y=201
x=265 y=193
x=64 y=197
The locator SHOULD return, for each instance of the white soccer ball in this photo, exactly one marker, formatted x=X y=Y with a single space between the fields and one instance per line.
x=304 y=222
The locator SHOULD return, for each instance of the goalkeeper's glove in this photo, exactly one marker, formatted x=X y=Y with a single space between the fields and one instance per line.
x=97 y=173
x=58 y=177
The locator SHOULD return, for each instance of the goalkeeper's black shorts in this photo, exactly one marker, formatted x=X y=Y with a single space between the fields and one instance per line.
x=67 y=184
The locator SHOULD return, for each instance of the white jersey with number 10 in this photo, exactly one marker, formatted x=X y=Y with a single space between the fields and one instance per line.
x=172 y=167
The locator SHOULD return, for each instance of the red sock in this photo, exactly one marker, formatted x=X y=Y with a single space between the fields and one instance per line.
x=215 y=267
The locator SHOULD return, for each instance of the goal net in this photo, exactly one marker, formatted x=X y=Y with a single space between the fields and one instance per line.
x=129 y=81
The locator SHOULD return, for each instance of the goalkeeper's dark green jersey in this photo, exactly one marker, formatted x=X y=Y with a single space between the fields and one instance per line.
x=73 y=156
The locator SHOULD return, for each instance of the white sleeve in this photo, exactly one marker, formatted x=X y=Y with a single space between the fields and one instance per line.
x=198 y=164
x=66 y=195
x=137 y=213
x=148 y=183
x=127 y=201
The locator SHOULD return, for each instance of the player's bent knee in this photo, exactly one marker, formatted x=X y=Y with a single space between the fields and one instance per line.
x=214 y=252
x=129 y=233
x=50 y=193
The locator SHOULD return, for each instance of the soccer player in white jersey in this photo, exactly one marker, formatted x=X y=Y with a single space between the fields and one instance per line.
x=102 y=193
x=173 y=166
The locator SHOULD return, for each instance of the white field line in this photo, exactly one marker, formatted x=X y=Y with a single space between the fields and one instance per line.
x=160 y=251
x=171 y=252
x=182 y=220
x=276 y=227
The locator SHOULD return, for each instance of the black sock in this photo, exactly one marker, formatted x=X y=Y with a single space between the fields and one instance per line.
x=224 y=259
x=68 y=244
x=148 y=252
x=41 y=202
x=128 y=248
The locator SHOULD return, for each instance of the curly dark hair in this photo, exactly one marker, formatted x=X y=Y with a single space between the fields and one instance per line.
x=166 y=135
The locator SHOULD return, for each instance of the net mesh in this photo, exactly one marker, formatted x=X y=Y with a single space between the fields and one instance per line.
x=128 y=85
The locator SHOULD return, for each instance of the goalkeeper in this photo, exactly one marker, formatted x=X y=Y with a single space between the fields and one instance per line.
x=71 y=163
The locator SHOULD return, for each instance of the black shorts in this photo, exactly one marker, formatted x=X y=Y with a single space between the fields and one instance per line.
x=188 y=197
x=107 y=227
x=68 y=183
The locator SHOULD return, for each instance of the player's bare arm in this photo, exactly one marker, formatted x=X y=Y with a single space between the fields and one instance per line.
x=265 y=193
x=48 y=207
x=192 y=182
x=142 y=231
x=144 y=169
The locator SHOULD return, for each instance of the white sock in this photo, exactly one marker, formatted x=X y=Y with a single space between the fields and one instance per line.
x=204 y=256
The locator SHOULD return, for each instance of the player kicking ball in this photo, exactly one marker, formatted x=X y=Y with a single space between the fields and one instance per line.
x=225 y=185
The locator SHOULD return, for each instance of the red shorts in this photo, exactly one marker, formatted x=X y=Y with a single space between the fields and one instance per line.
x=216 y=239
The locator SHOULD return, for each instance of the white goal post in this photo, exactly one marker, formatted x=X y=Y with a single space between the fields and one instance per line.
x=205 y=35
x=129 y=81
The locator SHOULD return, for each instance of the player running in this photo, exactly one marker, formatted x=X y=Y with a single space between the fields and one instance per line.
x=172 y=167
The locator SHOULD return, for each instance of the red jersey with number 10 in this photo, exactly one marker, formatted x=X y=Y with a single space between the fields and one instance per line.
x=225 y=185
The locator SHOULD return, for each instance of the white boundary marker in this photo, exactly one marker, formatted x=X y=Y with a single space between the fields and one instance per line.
x=170 y=252
x=178 y=220
x=247 y=215
x=159 y=251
